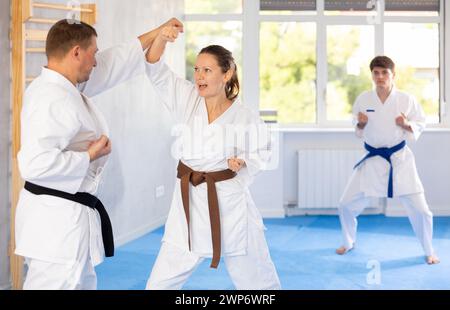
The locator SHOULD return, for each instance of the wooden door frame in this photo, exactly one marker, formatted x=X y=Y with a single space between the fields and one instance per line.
x=17 y=90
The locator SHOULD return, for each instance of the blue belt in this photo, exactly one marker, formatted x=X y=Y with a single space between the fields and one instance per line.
x=386 y=153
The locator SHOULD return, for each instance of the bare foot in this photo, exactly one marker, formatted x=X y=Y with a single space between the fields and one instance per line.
x=342 y=250
x=433 y=259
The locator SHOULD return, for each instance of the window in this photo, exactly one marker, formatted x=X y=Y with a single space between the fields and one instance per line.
x=349 y=52
x=417 y=68
x=287 y=79
x=313 y=55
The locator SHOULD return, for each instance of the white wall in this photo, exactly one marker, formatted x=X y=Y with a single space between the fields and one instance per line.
x=432 y=153
x=4 y=142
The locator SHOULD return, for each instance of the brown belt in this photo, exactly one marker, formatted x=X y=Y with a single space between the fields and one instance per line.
x=186 y=175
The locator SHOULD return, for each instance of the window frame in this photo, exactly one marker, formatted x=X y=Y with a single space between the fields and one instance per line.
x=251 y=19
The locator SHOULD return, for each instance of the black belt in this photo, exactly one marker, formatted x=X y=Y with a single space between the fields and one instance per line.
x=85 y=199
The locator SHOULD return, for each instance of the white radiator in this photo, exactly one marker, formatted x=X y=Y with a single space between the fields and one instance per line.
x=323 y=175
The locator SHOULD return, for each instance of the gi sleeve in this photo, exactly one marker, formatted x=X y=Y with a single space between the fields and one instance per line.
x=114 y=66
x=174 y=92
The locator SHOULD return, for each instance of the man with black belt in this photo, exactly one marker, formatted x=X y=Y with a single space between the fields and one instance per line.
x=62 y=229
x=386 y=118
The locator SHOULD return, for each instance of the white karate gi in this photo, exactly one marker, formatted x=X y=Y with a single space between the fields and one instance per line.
x=60 y=239
x=202 y=147
x=371 y=178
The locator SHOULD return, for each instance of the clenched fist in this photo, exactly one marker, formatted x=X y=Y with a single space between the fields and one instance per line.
x=402 y=121
x=235 y=164
x=362 y=120
x=173 y=22
x=99 y=148
x=169 y=33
